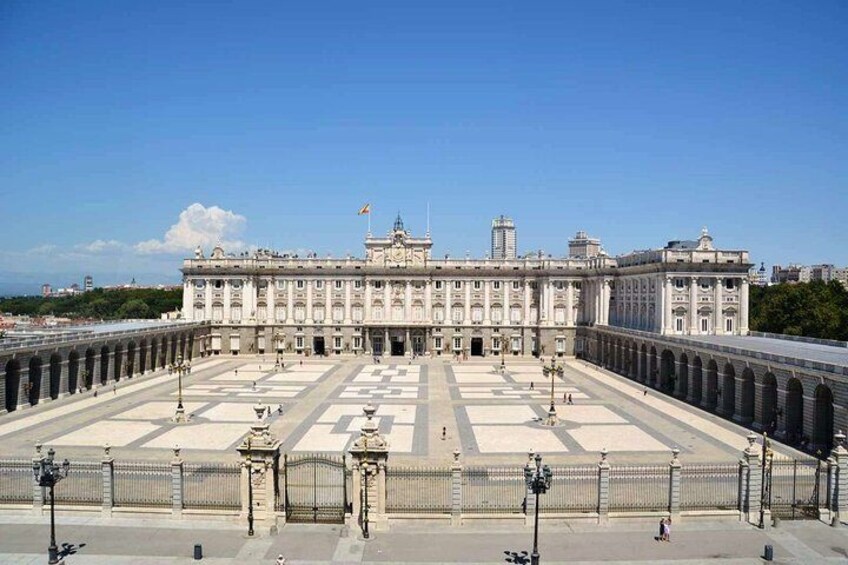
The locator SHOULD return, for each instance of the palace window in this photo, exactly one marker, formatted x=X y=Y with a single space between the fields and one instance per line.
x=477 y=314
x=378 y=284
x=235 y=313
x=417 y=313
x=457 y=344
x=516 y=285
x=438 y=314
x=516 y=344
x=437 y=343
x=319 y=285
x=457 y=285
x=298 y=342
x=236 y=284
x=357 y=342
x=337 y=343
x=217 y=313
x=515 y=314
x=678 y=324
x=705 y=325
x=728 y=325
x=281 y=284
x=357 y=313
x=705 y=284
x=497 y=314
x=357 y=284
x=397 y=313
x=679 y=283
x=560 y=345
x=338 y=284
x=318 y=313
x=199 y=284
x=219 y=284
x=728 y=284
x=198 y=312
x=300 y=284
x=378 y=312
x=261 y=313
x=439 y=285
x=496 y=285
x=559 y=315
x=299 y=313
x=478 y=285
x=338 y=313
x=496 y=344
x=280 y=313
x=457 y=313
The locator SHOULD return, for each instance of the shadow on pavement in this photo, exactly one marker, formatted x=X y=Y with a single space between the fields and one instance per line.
x=69 y=549
x=519 y=557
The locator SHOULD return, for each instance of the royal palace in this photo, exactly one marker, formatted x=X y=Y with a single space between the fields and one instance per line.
x=401 y=301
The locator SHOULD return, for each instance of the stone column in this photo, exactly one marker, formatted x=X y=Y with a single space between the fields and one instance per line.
x=743 y=307
x=38 y=492
x=839 y=502
x=668 y=323
x=467 y=306
x=759 y=423
x=407 y=304
x=529 y=497
x=369 y=455
x=693 y=306
x=674 y=484
x=309 y=284
x=107 y=466
x=347 y=302
x=227 y=290
x=290 y=303
x=428 y=301
x=751 y=483
x=603 y=488
x=679 y=368
x=207 y=300
x=527 y=298
x=718 y=322
x=387 y=346
x=487 y=318
x=177 y=484
x=260 y=453
x=569 y=303
x=737 y=403
x=64 y=376
x=456 y=489
x=366 y=347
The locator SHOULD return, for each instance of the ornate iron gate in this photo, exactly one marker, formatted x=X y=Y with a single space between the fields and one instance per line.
x=793 y=488
x=315 y=488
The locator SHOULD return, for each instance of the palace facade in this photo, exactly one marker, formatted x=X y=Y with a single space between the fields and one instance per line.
x=398 y=300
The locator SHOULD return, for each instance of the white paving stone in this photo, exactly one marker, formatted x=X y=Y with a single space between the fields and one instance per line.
x=589 y=414
x=400 y=439
x=516 y=439
x=200 y=436
x=472 y=369
x=320 y=438
x=114 y=432
x=479 y=378
x=157 y=410
x=515 y=414
x=294 y=378
x=403 y=413
x=616 y=438
x=231 y=412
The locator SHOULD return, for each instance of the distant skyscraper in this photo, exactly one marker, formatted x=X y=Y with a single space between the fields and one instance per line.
x=503 y=238
x=46 y=289
x=88 y=283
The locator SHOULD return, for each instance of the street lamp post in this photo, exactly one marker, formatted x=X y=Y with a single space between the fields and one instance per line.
x=552 y=371
x=47 y=474
x=181 y=368
x=538 y=481
x=365 y=533
x=249 y=492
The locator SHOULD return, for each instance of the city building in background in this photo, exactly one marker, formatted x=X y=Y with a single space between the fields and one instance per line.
x=581 y=246
x=503 y=238
x=807 y=273
x=88 y=283
x=398 y=300
x=46 y=290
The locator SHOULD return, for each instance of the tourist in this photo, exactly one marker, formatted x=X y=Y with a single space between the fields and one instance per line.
x=279 y=409
x=569 y=399
x=667 y=530
x=444 y=433
x=645 y=391
x=281 y=560
x=662 y=530
x=95 y=394
x=531 y=386
x=114 y=389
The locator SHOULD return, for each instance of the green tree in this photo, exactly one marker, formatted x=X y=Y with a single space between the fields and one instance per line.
x=134 y=308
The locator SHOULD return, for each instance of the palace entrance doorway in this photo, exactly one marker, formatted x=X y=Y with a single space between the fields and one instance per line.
x=476 y=346
x=418 y=344
x=318 y=346
x=377 y=345
x=397 y=346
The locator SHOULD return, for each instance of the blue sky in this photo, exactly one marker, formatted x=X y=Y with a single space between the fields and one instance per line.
x=639 y=122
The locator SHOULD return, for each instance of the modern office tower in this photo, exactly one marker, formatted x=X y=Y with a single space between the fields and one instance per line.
x=503 y=238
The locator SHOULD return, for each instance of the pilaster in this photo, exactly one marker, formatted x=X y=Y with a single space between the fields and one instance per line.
x=107 y=467
x=603 y=488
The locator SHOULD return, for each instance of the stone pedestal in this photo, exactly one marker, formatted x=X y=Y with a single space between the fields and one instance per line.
x=260 y=455
x=369 y=455
x=839 y=502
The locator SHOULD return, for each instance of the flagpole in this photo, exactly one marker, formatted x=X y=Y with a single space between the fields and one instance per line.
x=369 y=221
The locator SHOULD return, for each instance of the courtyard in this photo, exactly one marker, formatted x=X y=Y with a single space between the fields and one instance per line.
x=426 y=408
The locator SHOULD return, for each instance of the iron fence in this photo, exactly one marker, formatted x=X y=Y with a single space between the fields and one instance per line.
x=714 y=487
x=16 y=481
x=82 y=487
x=493 y=490
x=639 y=488
x=142 y=484
x=573 y=489
x=418 y=490
x=211 y=486
x=795 y=488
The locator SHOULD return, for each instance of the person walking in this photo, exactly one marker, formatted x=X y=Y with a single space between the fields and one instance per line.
x=569 y=399
x=114 y=389
x=661 y=533
x=280 y=560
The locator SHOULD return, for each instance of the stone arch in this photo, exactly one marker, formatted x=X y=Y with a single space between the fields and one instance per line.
x=131 y=349
x=13 y=384
x=55 y=375
x=173 y=352
x=712 y=385
x=728 y=391
x=73 y=372
x=634 y=361
x=697 y=380
x=643 y=363
x=190 y=346
x=823 y=419
x=794 y=410
x=104 y=365
x=769 y=415
x=88 y=371
x=653 y=372
x=747 y=396
x=667 y=370
x=682 y=388
x=34 y=381
x=153 y=354
x=118 y=362
x=142 y=356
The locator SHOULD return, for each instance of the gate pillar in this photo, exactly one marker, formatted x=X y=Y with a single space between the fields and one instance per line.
x=369 y=455
x=839 y=481
x=260 y=453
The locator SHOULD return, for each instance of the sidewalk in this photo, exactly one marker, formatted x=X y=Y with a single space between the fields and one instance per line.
x=24 y=539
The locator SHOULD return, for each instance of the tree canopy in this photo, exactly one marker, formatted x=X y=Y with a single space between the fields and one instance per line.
x=814 y=309
x=99 y=304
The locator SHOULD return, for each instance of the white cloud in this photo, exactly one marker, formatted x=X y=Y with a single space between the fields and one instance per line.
x=100 y=246
x=201 y=226
x=43 y=249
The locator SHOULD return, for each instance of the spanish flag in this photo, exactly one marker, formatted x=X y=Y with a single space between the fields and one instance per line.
x=365 y=210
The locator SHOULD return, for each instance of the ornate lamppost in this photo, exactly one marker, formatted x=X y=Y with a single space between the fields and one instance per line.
x=47 y=474
x=181 y=368
x=538 y=482
x=552 y=371
x=503 y=355
x=249 y=464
